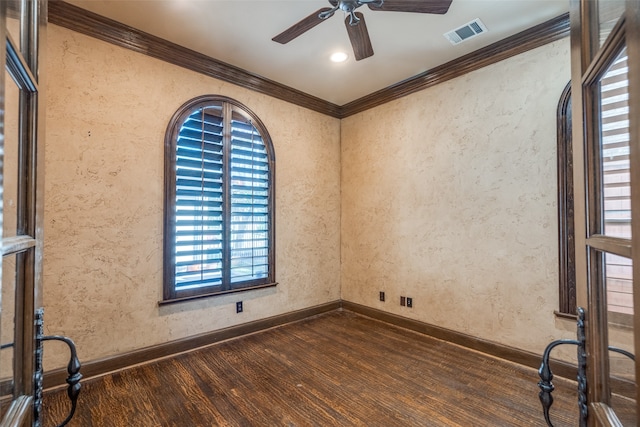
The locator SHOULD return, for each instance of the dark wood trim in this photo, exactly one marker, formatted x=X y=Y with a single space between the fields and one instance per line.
x=82 y=21
x=228 y=107
x=598 y=363
x=110 y=31
x=57 y=377
x=336 y=369
x=215 y=294
x=566 y=227
x=633 y=52
x=566 y=315
x=532 y=38
x=501 y=351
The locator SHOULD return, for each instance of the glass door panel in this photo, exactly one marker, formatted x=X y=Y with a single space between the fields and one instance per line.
x=7 y=330
x=10 y=173
x=614 y=148
x=14 y=10
x=618 y=279
x=609 y=12
x=619 y=285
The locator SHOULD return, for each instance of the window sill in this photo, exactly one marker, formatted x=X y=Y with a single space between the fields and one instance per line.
x=214 y=294
x=616 y=320
x=564 y=315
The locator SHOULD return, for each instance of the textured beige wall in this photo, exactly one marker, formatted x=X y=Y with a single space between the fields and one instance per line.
x=107 y=112
x=449 y=197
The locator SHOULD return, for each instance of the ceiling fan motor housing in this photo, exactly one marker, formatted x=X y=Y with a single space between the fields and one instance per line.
x=349 y=5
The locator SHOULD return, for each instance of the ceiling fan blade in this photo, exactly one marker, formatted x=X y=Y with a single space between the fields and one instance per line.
x=417 y=6
x=301 y=27
x=359 y=37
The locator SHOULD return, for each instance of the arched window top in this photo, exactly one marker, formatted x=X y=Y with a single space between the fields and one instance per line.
x=219 y=200
x=216 y=105
x=565 y=206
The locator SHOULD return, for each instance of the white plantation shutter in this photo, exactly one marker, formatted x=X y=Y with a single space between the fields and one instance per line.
x=249 y=223
x=218 y=214
x=199 y=201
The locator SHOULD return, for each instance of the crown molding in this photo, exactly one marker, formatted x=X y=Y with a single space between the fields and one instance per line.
x=91 y=24
x=524 y=41
x=82 y=21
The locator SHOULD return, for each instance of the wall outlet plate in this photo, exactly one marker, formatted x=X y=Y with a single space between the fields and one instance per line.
x=239 y=307
x=402 y=301
x=409 y=302
x=382 y=296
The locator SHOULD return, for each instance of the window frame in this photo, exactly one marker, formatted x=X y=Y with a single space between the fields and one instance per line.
x=566 y=226
x=229 y=108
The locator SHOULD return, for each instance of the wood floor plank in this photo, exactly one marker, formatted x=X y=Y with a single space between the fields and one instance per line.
x=335 y=369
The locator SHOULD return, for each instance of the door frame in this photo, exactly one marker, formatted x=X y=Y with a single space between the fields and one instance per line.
x=587 y=57
x=22 y=58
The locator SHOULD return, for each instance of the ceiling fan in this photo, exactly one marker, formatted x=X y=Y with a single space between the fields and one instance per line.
x=356 y=26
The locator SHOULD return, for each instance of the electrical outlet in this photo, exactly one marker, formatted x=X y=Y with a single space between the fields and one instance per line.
x=402 y=301
x=382 y=296
x=409 y=302
x=239 y=307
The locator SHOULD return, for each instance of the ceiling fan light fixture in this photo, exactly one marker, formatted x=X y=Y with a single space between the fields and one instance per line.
x=355 y=23
x=338 y=57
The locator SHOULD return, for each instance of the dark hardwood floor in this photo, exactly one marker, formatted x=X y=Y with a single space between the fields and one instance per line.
x=336 y=369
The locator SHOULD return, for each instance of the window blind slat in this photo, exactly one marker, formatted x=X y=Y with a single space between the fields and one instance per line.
x=195 y=193
x=195 y=173
x=212 y=221
x=202 y=252
x=252 y=154
x=196 y=138
x=252 y=145
x=254 y=180
x=207 y=166
x=199 y=155
x=211 y=123
x=214 y=281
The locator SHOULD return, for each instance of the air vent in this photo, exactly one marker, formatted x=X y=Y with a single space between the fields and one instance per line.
x=466 y=32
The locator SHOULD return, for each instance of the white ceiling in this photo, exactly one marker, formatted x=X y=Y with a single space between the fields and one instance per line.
x=239 y=33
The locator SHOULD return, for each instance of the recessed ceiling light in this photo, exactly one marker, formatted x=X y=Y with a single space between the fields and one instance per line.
x=339 y=57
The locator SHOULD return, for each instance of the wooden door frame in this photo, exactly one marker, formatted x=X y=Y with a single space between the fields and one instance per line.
x=585 y=50
x=633 y=52
x=23 y=62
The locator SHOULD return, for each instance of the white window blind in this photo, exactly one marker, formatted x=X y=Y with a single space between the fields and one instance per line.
x=249 y=240
x=199 y=201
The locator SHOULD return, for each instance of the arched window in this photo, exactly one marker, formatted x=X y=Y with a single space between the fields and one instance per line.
x=219 y=200
x=566 y=247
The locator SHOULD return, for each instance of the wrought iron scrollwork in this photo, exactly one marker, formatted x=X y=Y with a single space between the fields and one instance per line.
x=546 y=376
x=73 y=369
x=623 y=352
